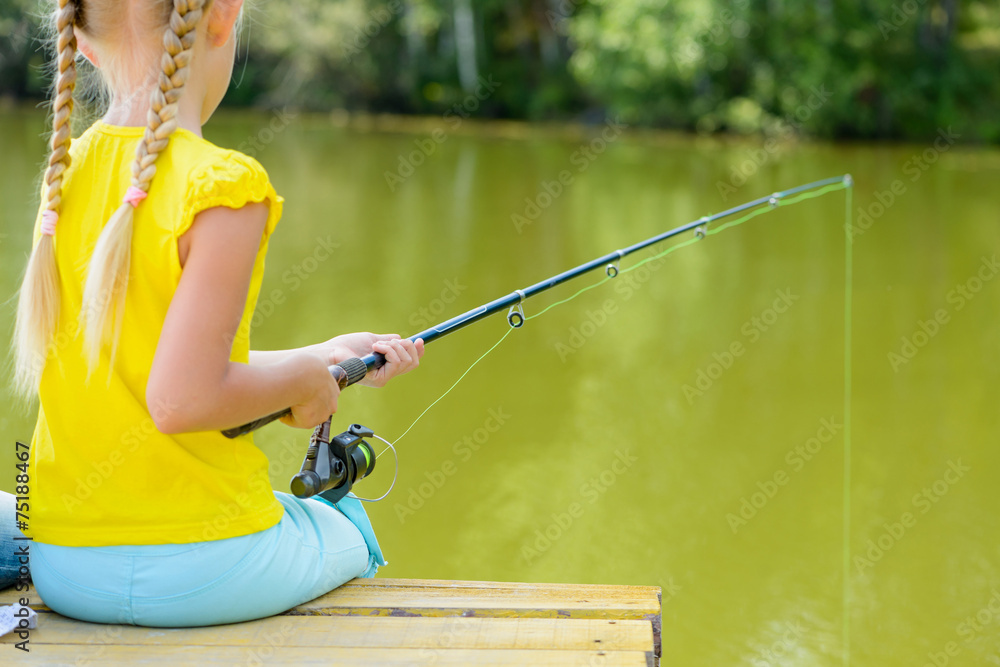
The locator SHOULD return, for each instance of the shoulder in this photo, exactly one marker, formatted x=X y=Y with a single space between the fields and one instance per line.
x=221 y=177
x=209 y=164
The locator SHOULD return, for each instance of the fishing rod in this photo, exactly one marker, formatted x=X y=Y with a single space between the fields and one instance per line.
x=352 y=370
x=333 y=464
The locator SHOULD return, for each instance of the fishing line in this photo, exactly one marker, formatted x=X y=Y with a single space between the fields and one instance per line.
x=569 y=298
x=355 y=369
x=447 y=391
x=701 y=232
x=395 y=475
x=848 y=315
x=775 y=203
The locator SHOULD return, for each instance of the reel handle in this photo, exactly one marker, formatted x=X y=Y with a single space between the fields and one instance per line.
x=346 y=373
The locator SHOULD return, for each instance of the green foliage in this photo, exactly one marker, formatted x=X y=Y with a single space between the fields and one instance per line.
x=22 y=64
x=830 y=68
x=878 y=69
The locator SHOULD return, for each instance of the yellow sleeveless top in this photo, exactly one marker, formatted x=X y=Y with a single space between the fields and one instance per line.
x=100 y=472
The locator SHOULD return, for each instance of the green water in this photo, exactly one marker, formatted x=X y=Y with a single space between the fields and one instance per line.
x=574 y=453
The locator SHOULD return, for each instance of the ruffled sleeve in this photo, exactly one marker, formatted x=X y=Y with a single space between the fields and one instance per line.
x=233 y=180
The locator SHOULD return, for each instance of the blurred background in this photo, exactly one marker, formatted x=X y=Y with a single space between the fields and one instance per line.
x=419 y=146
x=892 y=69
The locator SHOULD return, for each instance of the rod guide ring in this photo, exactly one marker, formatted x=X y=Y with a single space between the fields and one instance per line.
x=702 y=229
x=515 y=316
x=612 y=269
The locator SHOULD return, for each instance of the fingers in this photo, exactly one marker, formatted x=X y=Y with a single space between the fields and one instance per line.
x=388 y=350
x=313 y=414
x=403 y=351
x=406 y=353
x=321 y=399
x=401 y=355
x=306 y=416
x=413 y=351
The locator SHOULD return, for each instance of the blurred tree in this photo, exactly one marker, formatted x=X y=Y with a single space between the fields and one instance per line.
x=22 y=66
x=832 y=68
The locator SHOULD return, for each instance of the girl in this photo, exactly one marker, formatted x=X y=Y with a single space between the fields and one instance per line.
x=131 y=325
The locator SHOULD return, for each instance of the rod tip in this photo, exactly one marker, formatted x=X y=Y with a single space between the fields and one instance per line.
x=848 y=180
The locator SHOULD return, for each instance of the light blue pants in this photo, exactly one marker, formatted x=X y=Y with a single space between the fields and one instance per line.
x=316 y=547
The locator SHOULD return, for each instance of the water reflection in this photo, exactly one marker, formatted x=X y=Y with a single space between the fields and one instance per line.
x=540 y=498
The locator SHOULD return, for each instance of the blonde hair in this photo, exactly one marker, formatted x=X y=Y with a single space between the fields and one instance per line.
x=107 y=274
x=39 y=301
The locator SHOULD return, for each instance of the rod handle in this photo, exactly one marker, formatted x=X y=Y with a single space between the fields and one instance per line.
x=346 y=373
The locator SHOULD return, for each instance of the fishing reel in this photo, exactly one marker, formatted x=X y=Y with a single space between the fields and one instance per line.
x=333 y=465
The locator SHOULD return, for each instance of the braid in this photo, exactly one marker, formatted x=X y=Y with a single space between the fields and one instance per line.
x=39 y=301
x=178 y=42
x=107 y=277
x=62 y=107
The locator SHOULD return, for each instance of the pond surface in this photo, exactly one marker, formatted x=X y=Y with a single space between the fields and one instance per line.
x=682 y=427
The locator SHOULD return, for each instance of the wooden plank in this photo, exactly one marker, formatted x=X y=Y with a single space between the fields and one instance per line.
x=444 y=598
x=469 y=585
x=10 y=596
x=419 y=597
x=430 y=597
x=360 y=632
x=127 y=656
x=461 y=584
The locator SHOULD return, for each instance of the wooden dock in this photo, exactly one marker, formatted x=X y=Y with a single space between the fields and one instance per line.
x=382 y=622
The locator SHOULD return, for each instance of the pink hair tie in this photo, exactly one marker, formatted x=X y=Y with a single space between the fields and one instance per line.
x=134 y=195
x=49 y=220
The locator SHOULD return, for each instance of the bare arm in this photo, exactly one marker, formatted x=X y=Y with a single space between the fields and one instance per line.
x=192 y=383
x=401 y=355
x=265 y=357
